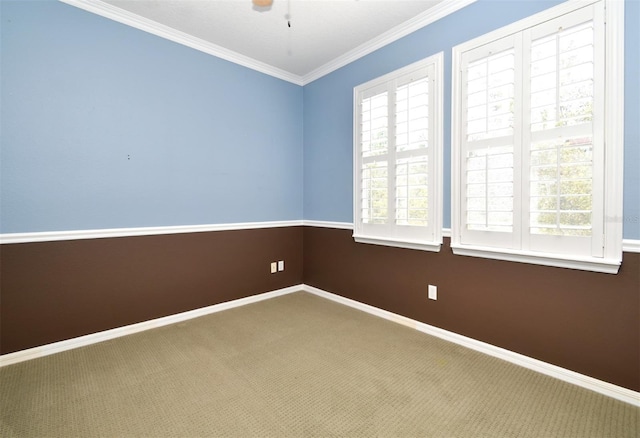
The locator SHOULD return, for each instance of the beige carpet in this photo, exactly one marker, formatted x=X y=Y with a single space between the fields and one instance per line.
x=294 y=366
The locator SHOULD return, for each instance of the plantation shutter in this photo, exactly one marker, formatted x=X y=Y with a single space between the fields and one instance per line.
x=531 y=107
x=394 y=158
x=565 y=91
x=374 y=155
x=491 y=144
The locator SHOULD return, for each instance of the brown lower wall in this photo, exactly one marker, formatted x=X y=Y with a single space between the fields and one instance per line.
x=583 y=321
x=60 y=290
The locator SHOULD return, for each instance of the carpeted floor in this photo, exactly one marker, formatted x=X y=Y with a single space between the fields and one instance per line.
x=294 y=366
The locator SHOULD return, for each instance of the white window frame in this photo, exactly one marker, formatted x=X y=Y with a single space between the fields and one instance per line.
x=613 y=125
x=428 y=238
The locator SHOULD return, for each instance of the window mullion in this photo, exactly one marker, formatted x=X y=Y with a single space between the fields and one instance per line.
x=434 y=158
x=558 y=110
x=521 y=122
x=599 y=132
x=522 y=206
x=391 y=162
x=486 y=157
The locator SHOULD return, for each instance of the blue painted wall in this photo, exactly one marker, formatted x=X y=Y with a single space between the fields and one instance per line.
x=106 y=126
x=631 y=215
x=328 y=106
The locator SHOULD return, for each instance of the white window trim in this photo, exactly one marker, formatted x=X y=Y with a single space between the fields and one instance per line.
x=435 y=247
x=436 y=192
x=614 y=145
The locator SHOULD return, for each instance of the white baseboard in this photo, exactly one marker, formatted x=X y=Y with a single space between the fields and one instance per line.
x=605 y=388
x=82 y=341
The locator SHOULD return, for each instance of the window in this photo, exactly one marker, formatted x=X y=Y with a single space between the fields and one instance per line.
x=398 y=158
x=537 y=140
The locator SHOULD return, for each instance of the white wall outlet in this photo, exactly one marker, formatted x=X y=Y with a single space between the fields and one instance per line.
x=274 y=267
x=281 y=265
x=433 y=292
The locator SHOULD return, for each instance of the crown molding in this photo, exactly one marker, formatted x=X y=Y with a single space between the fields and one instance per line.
x=432 y=15
x=130 y=19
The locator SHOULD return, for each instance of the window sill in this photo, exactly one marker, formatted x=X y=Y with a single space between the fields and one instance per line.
x=593 y=264
x=408 y=244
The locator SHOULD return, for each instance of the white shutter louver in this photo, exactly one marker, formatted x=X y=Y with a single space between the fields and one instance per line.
x=561 y=153
x=373 y=148
x=489 y=142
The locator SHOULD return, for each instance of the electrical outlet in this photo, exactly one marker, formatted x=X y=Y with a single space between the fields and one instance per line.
x=433 y=292
x=274 y=267
x=281 y=265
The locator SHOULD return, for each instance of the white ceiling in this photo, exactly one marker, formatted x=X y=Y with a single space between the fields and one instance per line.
x=324 y=34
